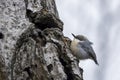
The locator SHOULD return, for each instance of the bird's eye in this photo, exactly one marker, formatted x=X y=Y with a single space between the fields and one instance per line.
x=1 y=35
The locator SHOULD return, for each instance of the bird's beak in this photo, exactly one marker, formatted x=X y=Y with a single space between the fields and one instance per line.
x=73 y=35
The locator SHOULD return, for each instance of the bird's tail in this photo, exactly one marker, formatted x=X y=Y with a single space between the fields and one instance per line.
x=93 y=57
x=96 y=62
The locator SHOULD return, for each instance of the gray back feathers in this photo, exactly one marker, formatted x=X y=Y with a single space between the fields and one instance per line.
x=85 y=44
x=88 y=48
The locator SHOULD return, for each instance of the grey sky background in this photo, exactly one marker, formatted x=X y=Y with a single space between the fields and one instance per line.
x=99 y=20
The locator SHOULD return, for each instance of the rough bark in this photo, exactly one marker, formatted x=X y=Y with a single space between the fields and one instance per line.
x=32 y=45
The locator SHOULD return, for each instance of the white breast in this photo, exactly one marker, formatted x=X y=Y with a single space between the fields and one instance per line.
x=74 y=46
x=77 y=50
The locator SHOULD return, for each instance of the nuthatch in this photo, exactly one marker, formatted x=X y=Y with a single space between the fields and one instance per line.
x=82 y=49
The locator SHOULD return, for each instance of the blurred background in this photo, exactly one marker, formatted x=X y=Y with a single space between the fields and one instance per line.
x=99 y=21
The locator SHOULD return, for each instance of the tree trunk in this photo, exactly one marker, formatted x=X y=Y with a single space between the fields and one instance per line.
x=32 y=44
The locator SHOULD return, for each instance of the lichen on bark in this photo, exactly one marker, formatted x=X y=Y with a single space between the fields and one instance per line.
x=38 y=48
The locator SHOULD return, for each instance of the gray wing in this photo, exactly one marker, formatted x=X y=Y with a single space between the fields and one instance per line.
x=88 y=48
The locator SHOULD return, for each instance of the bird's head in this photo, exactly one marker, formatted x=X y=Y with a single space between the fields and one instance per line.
x=80 y=37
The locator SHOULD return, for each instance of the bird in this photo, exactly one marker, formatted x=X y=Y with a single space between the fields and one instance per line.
x=82 y=49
